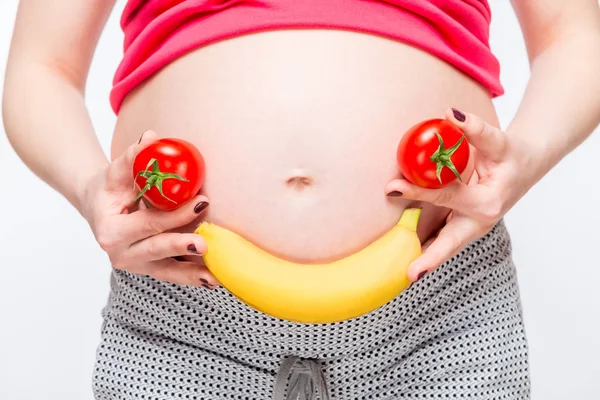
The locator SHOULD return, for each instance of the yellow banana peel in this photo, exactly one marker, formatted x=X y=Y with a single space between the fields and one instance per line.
x=314 y=293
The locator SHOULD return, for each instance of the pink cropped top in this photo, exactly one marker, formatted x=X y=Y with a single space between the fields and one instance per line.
x=158 y=31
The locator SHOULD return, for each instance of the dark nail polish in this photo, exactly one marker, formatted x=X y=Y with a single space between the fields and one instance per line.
x=395 y=193
x=204 y=281
x=459 y=115
x=200 y=207
x=204 y=285
x=422 y=274
x=192 y=249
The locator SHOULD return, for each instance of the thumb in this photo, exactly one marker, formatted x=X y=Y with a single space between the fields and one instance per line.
x=120 y=176
x=489 y=141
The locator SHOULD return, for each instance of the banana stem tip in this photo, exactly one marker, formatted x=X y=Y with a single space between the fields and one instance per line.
x=410 y=218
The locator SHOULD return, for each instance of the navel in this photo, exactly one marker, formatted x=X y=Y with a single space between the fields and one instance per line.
x=299 y=180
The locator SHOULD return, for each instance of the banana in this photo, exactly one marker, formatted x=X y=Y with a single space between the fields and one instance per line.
x=314 y=293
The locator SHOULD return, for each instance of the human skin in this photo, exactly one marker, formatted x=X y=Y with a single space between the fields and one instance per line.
x=277 y=134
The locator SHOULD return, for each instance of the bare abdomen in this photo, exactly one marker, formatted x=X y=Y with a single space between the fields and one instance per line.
x=299 y=131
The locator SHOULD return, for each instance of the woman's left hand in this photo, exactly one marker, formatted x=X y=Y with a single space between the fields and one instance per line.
x=505 y=168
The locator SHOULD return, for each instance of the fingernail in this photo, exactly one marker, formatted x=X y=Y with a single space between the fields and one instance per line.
x=204 y=281
x=395 y=193
x=459 y=115
x=192 y=249
x=421 y=274
x=206 y=286
x=200 y=207
x=141 y=136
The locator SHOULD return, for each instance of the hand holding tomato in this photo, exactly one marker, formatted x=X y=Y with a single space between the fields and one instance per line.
x=504 y=170
x=141 y=240
x=168 y=172
x=423 y=156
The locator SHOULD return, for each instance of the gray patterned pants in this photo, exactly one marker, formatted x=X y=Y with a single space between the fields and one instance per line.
x=456 y=334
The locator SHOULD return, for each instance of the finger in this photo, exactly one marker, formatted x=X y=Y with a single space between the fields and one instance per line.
x=487 y=139
x=451 y=239
x=456 y=195
x=120 y=175
x=149 y=222
x=182 y=273
x=428 y=242
x=164 y=246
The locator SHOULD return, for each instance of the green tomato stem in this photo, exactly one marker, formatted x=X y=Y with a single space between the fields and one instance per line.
x=442 y=157
x=155 y=177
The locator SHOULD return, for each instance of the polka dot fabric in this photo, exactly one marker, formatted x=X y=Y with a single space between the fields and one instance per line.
x=456 y=334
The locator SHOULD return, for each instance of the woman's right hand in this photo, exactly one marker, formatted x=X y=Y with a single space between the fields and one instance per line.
x=138 y=239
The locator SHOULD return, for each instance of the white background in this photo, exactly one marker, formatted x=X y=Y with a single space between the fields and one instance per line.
x=54 y=278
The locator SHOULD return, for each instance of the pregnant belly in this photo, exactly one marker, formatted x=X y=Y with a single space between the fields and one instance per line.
x=299 y=131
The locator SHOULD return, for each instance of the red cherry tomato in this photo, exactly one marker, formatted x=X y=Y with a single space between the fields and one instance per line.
x=168 y=173
x=433 y=153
